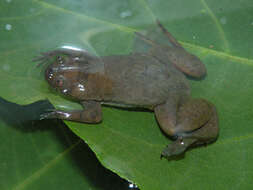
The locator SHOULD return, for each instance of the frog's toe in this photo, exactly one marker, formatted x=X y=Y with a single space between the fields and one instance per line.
x=49 y=114
x=38 y=59
x=43 y=58
x=49 y=54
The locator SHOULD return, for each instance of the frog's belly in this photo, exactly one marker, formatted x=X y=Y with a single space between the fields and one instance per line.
x=136 y=98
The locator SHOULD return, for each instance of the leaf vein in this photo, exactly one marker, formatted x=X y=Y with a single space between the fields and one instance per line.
x=38 y=13
x=218 y=25
x=45 y=168
x=86 y=17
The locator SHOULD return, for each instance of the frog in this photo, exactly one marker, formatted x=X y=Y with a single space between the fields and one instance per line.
x=155 y=80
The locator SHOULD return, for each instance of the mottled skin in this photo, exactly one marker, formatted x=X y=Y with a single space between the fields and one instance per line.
x=153 y=80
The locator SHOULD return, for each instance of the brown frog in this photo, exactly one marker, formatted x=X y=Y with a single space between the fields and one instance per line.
x=154 y=80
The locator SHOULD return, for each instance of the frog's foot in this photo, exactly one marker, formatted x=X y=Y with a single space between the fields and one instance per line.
x=91 y=113
x=45 y=57
x=50 y=114
x=77 y=115
x=178 y=147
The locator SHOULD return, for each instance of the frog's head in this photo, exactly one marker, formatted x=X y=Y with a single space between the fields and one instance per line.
x=187 y=63
x=62 y=74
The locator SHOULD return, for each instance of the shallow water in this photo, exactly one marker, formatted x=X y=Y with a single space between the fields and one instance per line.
x=46 y=154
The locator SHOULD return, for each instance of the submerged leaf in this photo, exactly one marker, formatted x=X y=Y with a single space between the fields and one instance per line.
x=127 y=142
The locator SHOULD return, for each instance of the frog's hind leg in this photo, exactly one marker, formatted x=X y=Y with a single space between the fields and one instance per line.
x=92 y=113
x=192 y=122
x=208 y=133
x=166 y=115
x=169 y=35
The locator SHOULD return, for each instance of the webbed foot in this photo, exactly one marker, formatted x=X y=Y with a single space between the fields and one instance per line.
x=91 y=114
x=177 y=148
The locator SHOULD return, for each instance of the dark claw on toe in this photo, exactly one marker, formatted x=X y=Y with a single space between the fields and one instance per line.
x=177 y=148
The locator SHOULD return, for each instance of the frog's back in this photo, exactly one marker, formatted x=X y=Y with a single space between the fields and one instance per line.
x=142 y=80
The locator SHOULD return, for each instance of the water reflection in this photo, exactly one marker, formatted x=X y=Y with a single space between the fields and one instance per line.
x=132 y=186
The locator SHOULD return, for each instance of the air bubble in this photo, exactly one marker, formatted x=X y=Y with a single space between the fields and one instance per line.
x=6 y=67
x=223 y=20
x=32 y=10
x=8 y=27
x=132 y=186
x=125 y=14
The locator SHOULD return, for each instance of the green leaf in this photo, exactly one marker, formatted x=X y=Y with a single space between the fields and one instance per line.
x=129 y=143
x=46 y=155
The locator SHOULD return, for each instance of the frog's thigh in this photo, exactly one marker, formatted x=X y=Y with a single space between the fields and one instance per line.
x=92 y=113
x=207 y=133
x=166 y=116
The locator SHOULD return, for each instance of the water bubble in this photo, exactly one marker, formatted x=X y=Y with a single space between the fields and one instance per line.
x=223 y=20
x=6 y=67
x=132 y=186
x=194 y=37
x=8 y=27
x=8 y=1
x=125 y=14
x=31 y=10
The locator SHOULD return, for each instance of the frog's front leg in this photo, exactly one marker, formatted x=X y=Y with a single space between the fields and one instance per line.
x=193 y=122
x=92 y=113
